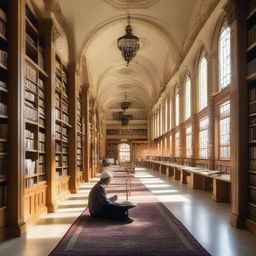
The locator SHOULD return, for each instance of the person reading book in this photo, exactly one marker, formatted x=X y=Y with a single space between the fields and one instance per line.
x=102 y=207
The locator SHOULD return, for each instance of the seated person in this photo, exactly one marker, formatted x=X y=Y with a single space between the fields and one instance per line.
x=101 y=207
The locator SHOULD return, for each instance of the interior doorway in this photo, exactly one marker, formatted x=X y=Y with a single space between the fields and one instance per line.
x=124 y=152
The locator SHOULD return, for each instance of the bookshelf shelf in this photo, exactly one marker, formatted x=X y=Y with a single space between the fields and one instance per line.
x=3 y=66
x=2 y=37
x=251 y=77
x=3 y=178
x=253 y=45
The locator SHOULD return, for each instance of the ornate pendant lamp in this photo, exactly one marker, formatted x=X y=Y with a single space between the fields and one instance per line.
x=125 y=104
x=129 y=44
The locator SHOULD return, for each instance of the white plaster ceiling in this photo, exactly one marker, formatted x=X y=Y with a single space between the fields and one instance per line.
x=165 y=29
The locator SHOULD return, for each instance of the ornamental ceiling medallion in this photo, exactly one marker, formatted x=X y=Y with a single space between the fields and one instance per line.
x=131 y=4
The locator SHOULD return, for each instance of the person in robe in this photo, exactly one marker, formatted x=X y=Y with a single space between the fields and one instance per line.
x=102 y=207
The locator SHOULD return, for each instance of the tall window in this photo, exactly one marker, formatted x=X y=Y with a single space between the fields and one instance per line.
x=165 y=146
x=177 y=144
x=188 y=141
x=203 y=137
x=161 y=120
x=203 y=80
x=187 y=98
x=166 y=114
x=224 y=58
x=170 y=145
x=224 y=130
x=124 y=153
x=177 y=107
x=170 y=113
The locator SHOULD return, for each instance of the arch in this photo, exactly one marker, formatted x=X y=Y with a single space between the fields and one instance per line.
x=144 y=19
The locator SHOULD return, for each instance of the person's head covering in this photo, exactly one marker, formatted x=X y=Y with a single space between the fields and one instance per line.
x=106 y=174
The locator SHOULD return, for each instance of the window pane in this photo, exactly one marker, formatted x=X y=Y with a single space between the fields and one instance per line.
x=188 y=141
x=187 y=98
x=203 y=137
x=224 y=58
x=124 y=152
x=177 y=144
x=203 y=80
x=177 y=108
x=224 y=130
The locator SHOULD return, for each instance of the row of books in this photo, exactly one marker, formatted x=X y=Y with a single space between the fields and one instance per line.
x=3 y=109
x=30 y=167
x=3 y=131
x=2 y=27
x=3 y=147
x=41 y=94
x=252 y=164
x=252 y=212
x=41 y=121
x=3 y=57
x=31 y=41
x=40 y=58
x=41 y=178
x=3 y=164
x=58 y=146
x=251 y=67
x=31 y=97
x=3 y=195
x=41 y=146
x=3 y=85
x=31 y=114
x=41 y=111
x=252 y=133
x=41 y=159
x=41 y=136
x=30 y=182
x=41 y=168
x=252 y=108
x=31 y=86
x=251 y=35
x=252 y=179
x=30 y=73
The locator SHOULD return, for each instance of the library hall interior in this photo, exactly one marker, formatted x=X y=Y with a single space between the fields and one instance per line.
x=127 y=127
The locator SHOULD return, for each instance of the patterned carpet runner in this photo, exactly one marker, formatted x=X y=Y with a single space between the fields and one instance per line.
x=154 y=232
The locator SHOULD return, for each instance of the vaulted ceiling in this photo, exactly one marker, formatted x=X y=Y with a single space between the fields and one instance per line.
x=166 y=29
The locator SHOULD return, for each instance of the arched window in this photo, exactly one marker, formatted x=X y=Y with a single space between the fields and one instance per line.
x=177 y=107
x=166 y=114
x=203 y=84
x=124 y=152
x=187 y=98
x=224 y=58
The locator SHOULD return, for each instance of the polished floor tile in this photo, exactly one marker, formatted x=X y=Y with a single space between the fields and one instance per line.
x=207 y=220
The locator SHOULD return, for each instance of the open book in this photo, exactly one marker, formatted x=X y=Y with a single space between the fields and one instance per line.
x=126 y=204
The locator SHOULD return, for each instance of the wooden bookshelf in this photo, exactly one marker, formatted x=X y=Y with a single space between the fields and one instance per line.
x=3 y=116
x=62 y=128
x=251 y=81
x=34 y=114
x=79 y=157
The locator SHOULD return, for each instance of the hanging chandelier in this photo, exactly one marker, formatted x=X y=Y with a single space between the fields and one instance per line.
x=125 y=104
x=128 y=44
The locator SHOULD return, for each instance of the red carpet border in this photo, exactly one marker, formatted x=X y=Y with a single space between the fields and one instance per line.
x=154 y=232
